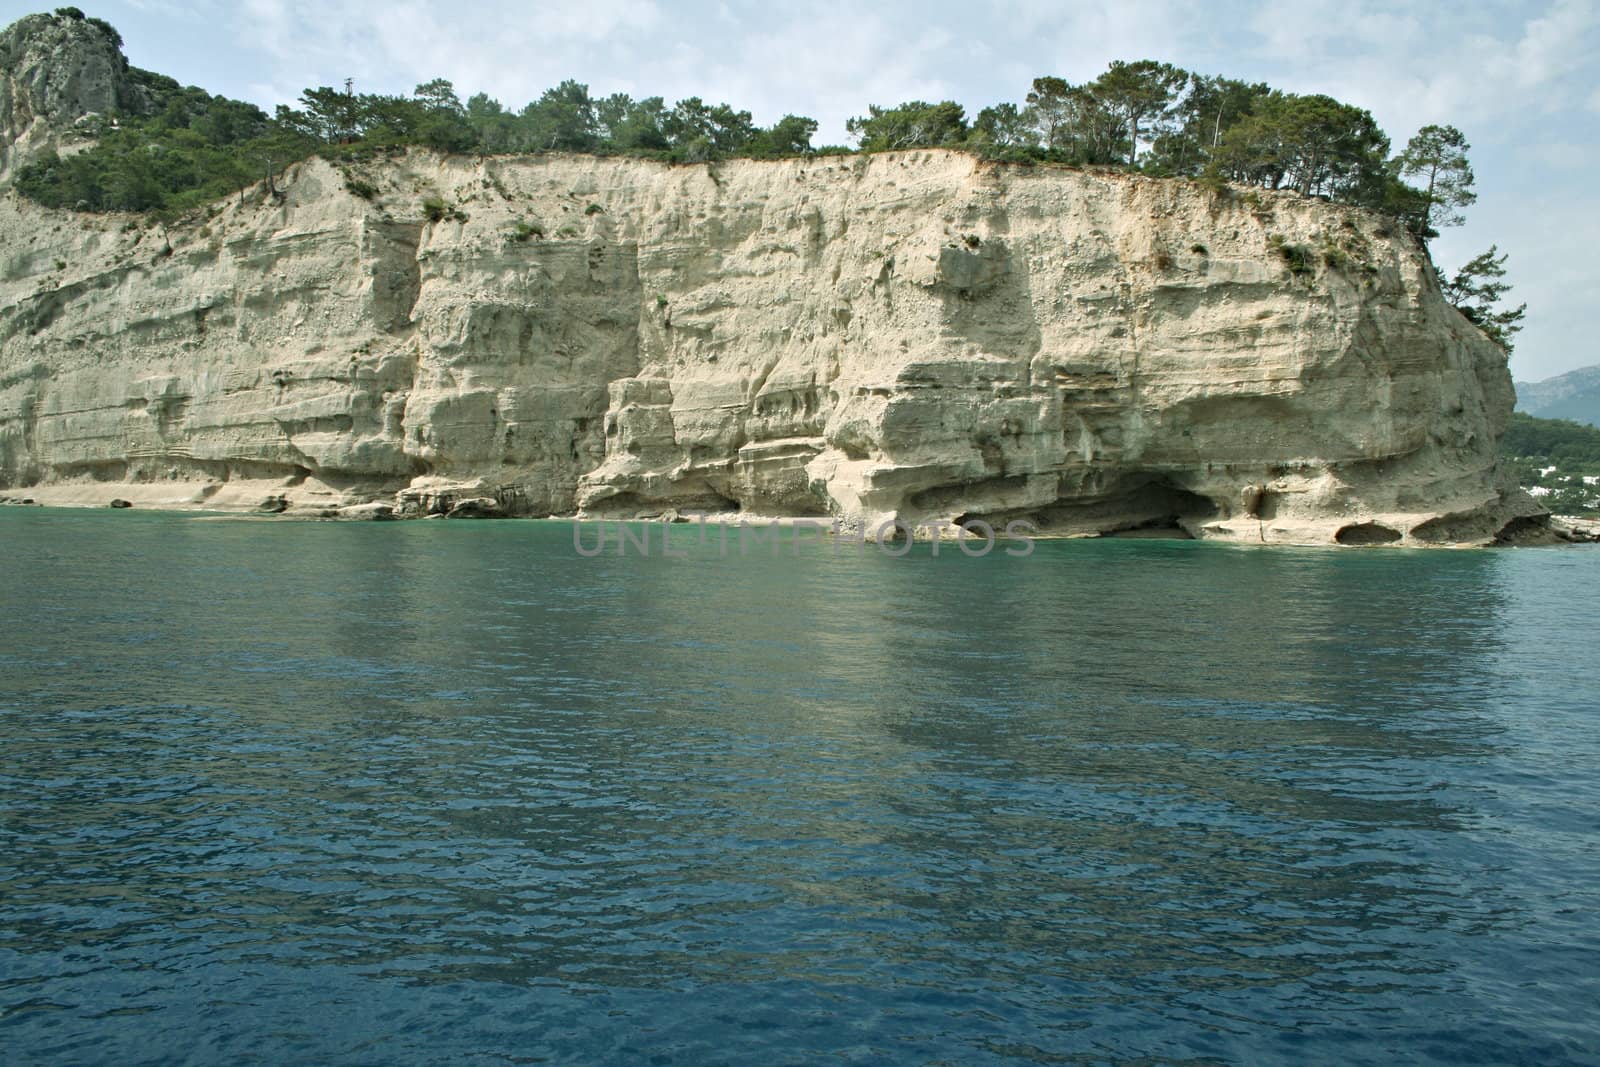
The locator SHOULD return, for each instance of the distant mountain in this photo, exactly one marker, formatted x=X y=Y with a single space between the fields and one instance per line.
x=1574 y=395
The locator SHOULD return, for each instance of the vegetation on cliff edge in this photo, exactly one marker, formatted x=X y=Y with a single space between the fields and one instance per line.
x=188 y=147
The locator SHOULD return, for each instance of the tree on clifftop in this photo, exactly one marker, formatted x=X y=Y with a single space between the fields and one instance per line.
x=1437 y=156
x=1206 y=112
x=1002 y=126
x=1312 y=144
x=1074 y=123
x=789 y=136
x=1050 y=110
x=563 y=119
x=442 y=122
x=911 y=125
x=1140 y=95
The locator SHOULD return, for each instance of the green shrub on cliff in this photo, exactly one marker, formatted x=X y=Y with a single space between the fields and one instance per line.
x=436 y=209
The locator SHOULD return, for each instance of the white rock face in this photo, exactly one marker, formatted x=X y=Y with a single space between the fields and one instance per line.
x=916 y=336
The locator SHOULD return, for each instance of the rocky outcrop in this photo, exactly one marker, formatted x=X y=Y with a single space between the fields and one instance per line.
x=1575 y=529
x=58 y=74
x=917 y=336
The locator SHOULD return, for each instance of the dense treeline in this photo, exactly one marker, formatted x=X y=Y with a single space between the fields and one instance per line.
x=1145 y=115
x=1571 y=446
x=564 y=119
x=193 y=147
x=189 y=147
x=1142 y=115
x=1167 y=121
x=1532 y=446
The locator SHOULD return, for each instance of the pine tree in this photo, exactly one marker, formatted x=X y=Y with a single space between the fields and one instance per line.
x=1437 y=156
x=1475 y=291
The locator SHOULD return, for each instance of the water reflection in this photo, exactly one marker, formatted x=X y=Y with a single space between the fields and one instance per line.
x=1130 y=796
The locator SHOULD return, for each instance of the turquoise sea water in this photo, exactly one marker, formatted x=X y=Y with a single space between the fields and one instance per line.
x=277 y=792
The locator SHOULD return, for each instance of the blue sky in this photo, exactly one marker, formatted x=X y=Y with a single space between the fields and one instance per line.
x=1522 y=80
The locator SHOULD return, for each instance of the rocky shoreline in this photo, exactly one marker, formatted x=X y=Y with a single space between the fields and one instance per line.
x=474 y=501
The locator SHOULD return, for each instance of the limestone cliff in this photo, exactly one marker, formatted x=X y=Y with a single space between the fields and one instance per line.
x=919 y=336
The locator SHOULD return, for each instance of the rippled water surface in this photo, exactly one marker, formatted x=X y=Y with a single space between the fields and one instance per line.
x=315 y=793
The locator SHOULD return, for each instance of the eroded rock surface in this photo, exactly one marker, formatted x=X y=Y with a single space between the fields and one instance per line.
x=916 y=336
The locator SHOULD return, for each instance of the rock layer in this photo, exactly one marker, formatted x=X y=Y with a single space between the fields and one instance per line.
x=917 y=336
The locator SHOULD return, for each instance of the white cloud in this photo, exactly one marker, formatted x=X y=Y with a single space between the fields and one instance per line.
x=506 y=49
